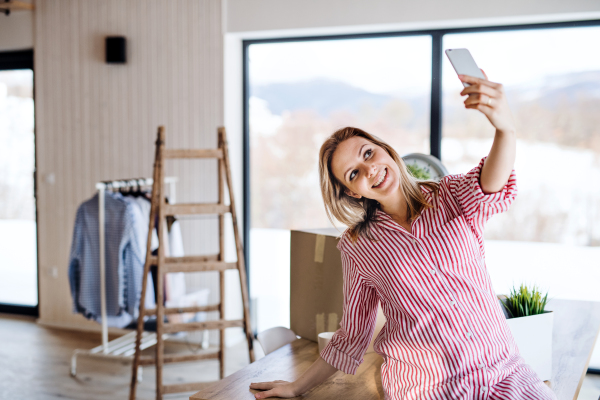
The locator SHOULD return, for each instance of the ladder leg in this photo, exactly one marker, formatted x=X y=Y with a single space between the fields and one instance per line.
x=221 y=258
x=222 y=331
x=160 y=308
x=140 y=323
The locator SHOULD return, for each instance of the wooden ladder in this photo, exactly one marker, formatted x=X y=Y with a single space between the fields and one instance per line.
x=216 y=262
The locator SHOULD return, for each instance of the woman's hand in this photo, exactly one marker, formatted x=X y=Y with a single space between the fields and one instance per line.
x=274 y=389
x=316 y=374
x=488 y=97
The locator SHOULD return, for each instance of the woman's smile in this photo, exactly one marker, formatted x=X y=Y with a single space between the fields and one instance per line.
x=382 y=179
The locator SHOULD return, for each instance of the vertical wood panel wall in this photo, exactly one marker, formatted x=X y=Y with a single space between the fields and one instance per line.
x=98 y=121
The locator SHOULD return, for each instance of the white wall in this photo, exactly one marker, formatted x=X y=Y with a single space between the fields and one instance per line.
x=268 y=15
x=16 y=31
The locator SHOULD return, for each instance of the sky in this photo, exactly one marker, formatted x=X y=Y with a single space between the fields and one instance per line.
x=403 y=64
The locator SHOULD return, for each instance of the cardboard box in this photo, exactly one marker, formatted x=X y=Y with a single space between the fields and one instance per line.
x=316 y=284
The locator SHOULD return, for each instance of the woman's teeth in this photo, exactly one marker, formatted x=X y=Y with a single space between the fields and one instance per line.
x=381 y=179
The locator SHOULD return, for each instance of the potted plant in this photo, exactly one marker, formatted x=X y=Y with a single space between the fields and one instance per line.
x=418 y=172
x=531 y=326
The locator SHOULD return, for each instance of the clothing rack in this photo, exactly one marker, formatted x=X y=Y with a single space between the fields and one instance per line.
x=122 y=348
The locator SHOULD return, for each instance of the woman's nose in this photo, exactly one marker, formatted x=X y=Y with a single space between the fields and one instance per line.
x=372 y=170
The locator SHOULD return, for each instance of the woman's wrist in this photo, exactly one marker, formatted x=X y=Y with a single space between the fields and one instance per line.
x=296 y=388
x=509 y=131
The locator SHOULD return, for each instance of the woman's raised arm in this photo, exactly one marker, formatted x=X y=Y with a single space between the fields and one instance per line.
x=489 y=98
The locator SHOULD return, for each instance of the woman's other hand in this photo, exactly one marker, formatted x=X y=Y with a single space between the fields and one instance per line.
x=274 y=389
x=489 y=98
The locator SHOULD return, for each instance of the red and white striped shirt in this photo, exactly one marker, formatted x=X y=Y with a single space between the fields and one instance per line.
x=445 y=335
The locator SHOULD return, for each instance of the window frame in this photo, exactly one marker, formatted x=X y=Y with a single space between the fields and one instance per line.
x=23 y=59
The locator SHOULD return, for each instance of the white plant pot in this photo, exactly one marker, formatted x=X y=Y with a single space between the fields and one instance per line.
x=533 y=335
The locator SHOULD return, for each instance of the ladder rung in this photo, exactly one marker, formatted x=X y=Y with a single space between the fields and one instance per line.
x=198 y=208
x=193 y=153
x=176 y=358
x=212 y=257
x=185 y=387
x=208 y=325
x=178 y=310
x=198 y=266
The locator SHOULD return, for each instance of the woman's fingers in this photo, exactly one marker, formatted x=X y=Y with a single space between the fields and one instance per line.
x=265 y=395
x=266 y=385
x=479 y=99
x=262 y=385
x=489 y=98
x=272 y=389
x=480 y=89
x=481 y=92
x=478 y=81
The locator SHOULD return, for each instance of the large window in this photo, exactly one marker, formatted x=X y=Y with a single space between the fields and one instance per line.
x=298 y=92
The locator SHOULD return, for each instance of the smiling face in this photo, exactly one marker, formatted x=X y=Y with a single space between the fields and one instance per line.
x=367 y=170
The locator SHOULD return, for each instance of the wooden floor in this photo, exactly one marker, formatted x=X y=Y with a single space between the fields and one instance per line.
x=35 y=363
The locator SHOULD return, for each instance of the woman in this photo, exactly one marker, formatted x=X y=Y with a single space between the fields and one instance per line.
x=417 y=248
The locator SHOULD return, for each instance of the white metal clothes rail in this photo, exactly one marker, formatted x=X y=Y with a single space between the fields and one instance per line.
x=122 y=348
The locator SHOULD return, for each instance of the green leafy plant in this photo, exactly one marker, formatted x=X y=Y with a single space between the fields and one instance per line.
x=525 y=301
x=418 y=172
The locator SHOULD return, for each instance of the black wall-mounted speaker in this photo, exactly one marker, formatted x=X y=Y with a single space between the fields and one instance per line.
x=116 y=50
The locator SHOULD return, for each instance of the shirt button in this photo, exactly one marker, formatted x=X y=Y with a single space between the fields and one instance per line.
x=484 y=388
x=433 y=271
x=468 y=334
x=453 y=302
x=481 y=366
x=413 y=241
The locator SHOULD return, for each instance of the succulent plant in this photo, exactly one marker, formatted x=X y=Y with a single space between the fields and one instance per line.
x=525 y=301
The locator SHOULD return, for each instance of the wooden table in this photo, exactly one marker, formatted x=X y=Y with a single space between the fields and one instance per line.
x=576 y=327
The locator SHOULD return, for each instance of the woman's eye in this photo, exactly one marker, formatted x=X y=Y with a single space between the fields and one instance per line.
x=352 y=174
x=368 y=153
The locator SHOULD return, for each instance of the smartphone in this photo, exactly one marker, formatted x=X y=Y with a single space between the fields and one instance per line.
x=464 y=64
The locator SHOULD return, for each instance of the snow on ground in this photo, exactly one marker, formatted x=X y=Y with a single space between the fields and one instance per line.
x=18 y=262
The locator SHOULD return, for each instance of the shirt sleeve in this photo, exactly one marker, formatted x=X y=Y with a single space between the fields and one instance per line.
x=477 y=206
x=75 y=260
x=347 y=347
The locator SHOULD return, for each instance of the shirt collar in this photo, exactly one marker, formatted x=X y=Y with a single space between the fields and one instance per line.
x=384 y=220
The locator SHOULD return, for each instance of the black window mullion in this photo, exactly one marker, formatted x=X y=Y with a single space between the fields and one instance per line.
x=435 y=134
x=246 y=173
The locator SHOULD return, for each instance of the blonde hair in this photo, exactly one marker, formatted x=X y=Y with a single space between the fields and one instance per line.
x=359 y=214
